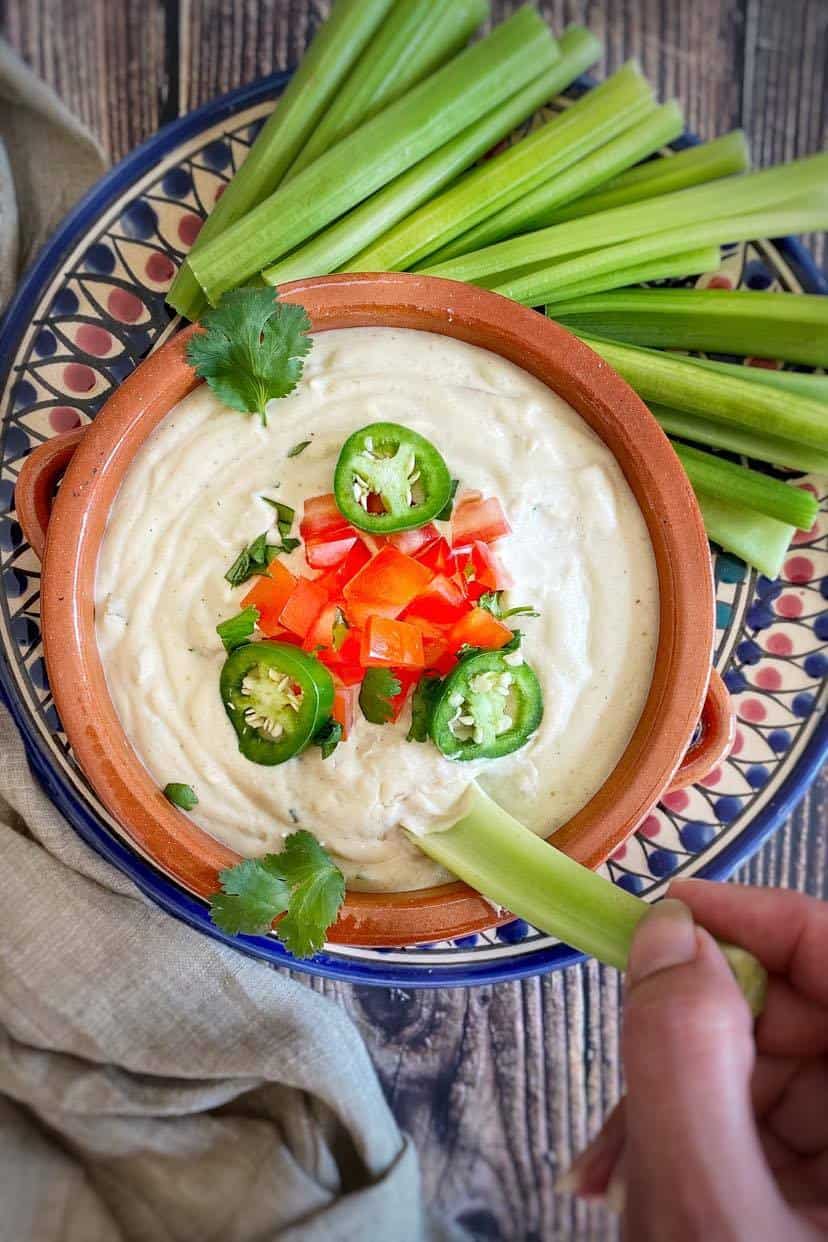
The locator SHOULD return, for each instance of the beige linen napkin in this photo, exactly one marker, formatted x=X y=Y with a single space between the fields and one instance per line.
x=155 y=1085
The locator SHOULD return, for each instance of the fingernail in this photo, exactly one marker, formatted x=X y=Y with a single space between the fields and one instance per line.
x=665 y=937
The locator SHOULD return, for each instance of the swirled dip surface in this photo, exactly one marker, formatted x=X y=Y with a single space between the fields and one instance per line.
x=579 y=553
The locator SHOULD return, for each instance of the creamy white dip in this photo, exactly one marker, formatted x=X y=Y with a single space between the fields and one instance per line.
x=579 y=553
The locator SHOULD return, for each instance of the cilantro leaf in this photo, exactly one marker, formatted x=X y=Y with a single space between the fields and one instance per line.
x=301 y=882
x=253 y=893
x=492 y=601
x=236 y=630
x=183 y=796
x=445 y=513
x=298 y=448
x=284 y=515
x=255 y=558
x=251 y=349
x=379 y=686
x=328 y=736
x=317 y=890
x=422 y=706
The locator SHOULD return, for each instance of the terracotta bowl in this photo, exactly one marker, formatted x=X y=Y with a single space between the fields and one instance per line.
x=662 y=753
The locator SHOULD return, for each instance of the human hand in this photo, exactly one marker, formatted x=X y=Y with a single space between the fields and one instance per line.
x=723 y=1133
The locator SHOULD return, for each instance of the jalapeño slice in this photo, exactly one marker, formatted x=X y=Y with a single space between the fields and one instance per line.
x=390 y=478
x=276 y=696
x=490 y=705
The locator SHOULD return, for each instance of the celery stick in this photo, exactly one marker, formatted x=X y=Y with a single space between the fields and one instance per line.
x=540 y=284
x=427 y=116
x=335 y=47
x=685 y=263
x=521 y=872
x=747 y=441
x=335 y=246
x=761 y=541
x=415 y=39
x=800 y=382
x=730 y=197
x=642 y=138
x=708 y=161
x=725 y=480
x=675 y=382
x=599 y=115
x=770 y=325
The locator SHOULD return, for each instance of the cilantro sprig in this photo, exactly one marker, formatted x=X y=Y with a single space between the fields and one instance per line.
x=379 y=687
x=328 y=737
x=492 y=601
x=300 y=883
x=252 y=349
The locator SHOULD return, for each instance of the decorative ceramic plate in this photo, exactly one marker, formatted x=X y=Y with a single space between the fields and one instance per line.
x=93 y=305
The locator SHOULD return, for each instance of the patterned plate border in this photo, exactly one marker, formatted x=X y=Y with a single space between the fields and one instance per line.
x=531 y=953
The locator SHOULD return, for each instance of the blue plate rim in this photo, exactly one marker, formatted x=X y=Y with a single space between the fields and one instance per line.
x=164 y=892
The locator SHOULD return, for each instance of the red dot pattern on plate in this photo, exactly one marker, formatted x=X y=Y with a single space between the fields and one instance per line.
x=753 y=710
x=160 y=267
x=620 y=853
x=78 y=378
x=678 y=800
x=720 y=282
x=766 y=364
x=789 y=606
x=799 y=569
x=806 y=536
x=738 y=742
x=650 y=827
x=219 y=191
x=769 y=679
x=712 y=778
x=779 y=644
x=189 y=227
x=64 y=418
x=93 y=340
x=124 y=306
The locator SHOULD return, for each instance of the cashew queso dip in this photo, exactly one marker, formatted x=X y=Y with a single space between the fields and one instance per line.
x=579 y=553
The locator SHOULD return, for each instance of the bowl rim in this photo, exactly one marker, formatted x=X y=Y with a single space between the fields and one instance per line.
x=543 y=348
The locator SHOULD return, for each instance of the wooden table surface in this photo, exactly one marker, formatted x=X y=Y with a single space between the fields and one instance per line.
x=499 y=1086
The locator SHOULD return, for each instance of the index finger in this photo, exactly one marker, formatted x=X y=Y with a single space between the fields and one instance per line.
x=787 y=931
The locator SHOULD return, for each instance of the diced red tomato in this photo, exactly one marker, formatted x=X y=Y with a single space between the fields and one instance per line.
x=303 y=606
x=320 y=633
x=408 y=679
x=387 y=583
x=477 y=520
x=443 y=601
x=436 y=649
x=321 y=518
x=344 y=663
x=269 y=594
x=327 y=553
x=479 y=571
x=372 y=542
x=387 y=643
x=479 y=629
x=413 y=541
x=345 y=706
x=439 y=557
x=334 y=580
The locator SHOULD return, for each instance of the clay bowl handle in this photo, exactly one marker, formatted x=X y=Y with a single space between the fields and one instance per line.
x=717 y=730
x=37 y=484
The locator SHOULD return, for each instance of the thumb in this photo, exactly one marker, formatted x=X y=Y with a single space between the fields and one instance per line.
x=693 y=1164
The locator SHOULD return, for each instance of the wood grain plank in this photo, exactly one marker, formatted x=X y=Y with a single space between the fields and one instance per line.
x=499 y=1086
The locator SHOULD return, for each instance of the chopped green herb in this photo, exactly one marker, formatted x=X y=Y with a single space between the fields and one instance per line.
x=301 y=882
x=422 y=705
x=298 y=448
x=251 y=349
x=339 y=629
x=284 y=515
x=445 y=513
x=379 y=686
x=492 y=601
x=328 y=737
x=256 y=558
x=236 y=630
x=183 y=796
x=287 y=545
